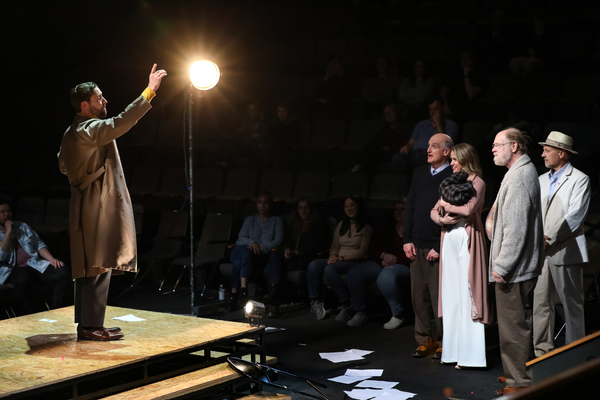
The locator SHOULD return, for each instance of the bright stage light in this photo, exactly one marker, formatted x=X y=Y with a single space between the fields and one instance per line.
x=204 y=74
x=254 y=311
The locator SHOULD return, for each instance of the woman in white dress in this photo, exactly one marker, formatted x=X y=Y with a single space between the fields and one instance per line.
x=463 y=268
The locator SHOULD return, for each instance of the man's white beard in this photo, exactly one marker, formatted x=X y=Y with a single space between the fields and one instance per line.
x=498 y=160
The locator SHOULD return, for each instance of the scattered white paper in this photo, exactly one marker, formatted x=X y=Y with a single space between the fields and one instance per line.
x=364 y=394
x=394 y=394
x=48 y=320
x=364 y=372
x=343 y=356
x=347 y=379
x=129 y=318
x=340 y=357
x=361 y=353
x=376 y=384
x=272 y=329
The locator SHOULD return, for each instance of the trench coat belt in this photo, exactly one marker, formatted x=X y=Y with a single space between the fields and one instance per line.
x=77 y=236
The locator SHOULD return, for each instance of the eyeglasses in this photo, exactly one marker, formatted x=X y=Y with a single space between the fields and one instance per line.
x=500 y=144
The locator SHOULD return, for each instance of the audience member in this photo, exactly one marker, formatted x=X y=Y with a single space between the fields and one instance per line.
x=587 y=136
x=309 y=236
x=461 y=86
x=416 y=89
x=283 y=136
x=416 y=150
x=247 y=146
x=380 y=89
x=335 y=92
x=495 y=43
x=463 y=303
x=386 y=143
x=252 y=129
x=256 y=246
x=514 y=226
x=537 y=47
x=25 y=261
x=565 y=200
x=388 y=266
x=350 y=244
x=422 y=244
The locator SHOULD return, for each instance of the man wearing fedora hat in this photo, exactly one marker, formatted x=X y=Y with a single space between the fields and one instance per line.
x=565 y=193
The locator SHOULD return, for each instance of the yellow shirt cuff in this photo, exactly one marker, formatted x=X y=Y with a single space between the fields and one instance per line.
x=148 y=94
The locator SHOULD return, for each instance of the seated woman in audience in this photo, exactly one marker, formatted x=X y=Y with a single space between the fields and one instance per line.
x=25 y=261
x=260 y=234
x=309 y=236
x=350 y=244
x=389 y=266
x=463 y=264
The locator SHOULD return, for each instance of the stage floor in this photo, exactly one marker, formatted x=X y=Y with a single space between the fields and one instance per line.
x=37 y=356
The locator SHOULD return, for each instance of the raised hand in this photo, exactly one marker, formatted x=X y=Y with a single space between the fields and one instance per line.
x=155 y=78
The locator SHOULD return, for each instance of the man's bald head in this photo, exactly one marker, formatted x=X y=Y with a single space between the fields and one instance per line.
x=439 y=149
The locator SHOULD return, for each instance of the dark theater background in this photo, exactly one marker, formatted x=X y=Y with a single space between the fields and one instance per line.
x=536 y=64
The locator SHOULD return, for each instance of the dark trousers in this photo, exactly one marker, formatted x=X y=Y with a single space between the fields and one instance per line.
x=26 y=280
x=91 y=295
x=244 y=260
x=514 y=302
x=424 y=279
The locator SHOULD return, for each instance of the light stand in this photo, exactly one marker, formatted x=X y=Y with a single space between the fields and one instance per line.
x=204 y=75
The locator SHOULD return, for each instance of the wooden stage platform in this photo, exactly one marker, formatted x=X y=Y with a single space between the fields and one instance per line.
x=45 y=360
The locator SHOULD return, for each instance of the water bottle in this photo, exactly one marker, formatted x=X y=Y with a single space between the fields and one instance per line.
x=221 y=293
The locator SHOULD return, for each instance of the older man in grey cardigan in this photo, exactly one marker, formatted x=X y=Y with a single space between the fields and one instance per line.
x=516 y=254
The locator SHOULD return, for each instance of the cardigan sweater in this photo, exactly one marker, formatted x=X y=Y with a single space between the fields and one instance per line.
x=517 y=249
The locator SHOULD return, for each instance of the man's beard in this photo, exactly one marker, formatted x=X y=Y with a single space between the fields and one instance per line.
x=99 y=112
x=502 y=160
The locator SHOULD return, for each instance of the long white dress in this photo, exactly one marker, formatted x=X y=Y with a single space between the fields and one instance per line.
x=464 y=339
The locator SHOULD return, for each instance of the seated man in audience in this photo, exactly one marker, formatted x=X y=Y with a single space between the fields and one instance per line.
x=24 y=258
x=416 y=148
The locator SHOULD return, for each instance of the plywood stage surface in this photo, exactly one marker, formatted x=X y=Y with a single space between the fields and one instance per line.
x=35 y=354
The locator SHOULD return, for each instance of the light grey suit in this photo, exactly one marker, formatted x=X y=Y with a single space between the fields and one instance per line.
x=562 y=276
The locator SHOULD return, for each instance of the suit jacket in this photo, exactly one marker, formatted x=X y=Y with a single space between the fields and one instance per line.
x=101 y=224
x=564 y=214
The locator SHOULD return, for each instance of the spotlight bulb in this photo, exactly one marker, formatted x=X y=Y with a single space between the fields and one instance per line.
x=204 y=74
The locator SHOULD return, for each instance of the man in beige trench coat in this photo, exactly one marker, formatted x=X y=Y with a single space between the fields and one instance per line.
x=101 y=222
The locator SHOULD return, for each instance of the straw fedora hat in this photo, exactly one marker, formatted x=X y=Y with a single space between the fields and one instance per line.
x=560 y=141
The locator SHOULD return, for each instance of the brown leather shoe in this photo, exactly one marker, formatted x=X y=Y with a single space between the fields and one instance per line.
x=101 y=334
x=420 y=352
x=508 y=390
x=501 y=379
x=111 y=330
x=437 y=354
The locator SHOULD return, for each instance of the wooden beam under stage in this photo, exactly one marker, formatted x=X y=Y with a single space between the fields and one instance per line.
x=45 y=357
